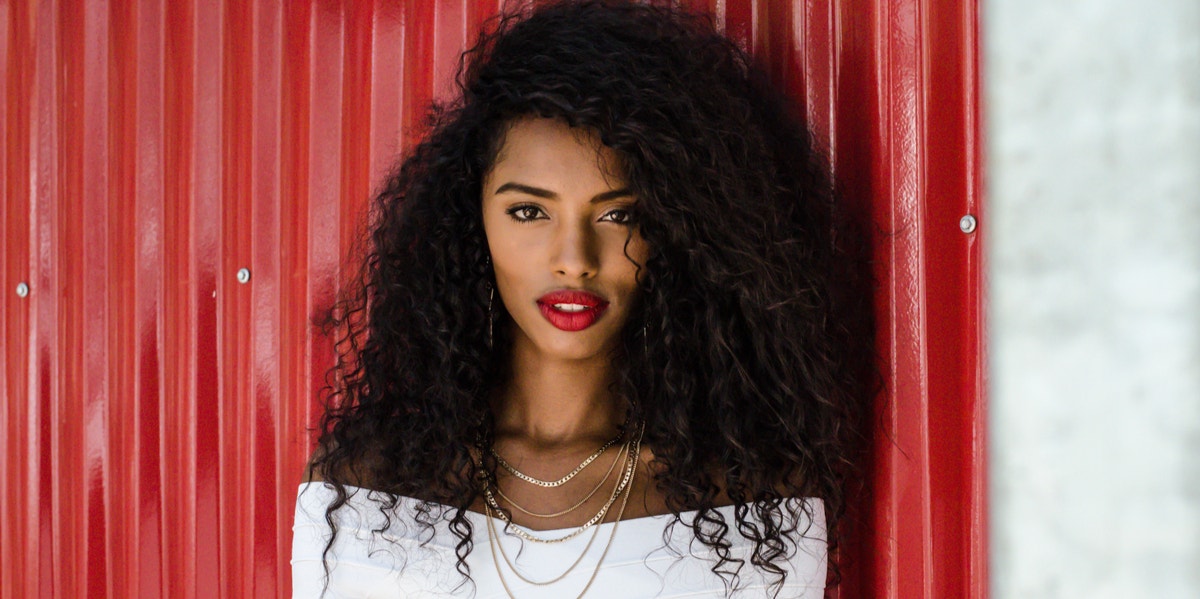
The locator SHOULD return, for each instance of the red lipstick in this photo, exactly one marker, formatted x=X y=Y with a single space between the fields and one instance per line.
x=571 y=309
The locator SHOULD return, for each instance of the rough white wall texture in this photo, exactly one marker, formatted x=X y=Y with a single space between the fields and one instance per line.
x=1093 y=111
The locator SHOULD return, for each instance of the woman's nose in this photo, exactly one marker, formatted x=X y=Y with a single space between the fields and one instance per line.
x=575 y=254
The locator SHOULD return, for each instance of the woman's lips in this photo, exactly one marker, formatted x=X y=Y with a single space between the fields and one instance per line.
x=571 y=310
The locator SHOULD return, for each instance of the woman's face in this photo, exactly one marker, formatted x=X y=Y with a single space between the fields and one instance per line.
x=556 y=213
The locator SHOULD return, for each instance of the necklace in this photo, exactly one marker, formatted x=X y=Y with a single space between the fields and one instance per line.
x=556 y=483
x=591 y=494
x=493 y=542
x=519 y=531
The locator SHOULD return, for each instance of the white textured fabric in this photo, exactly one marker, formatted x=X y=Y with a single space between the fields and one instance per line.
x=395 y=564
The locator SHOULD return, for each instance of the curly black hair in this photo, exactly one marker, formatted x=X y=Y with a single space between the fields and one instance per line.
x=750 y=356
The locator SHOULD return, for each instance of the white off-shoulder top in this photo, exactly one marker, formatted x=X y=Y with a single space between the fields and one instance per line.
x=640 y=562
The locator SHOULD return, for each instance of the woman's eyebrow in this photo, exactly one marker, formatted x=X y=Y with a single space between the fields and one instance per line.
x=550 y=195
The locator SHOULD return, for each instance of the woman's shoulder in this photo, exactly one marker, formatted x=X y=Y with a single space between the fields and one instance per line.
x=326 y=465
x=653 y=502
x=383 y=547
x=376 y=549
x=371 y=515
x=368 y=515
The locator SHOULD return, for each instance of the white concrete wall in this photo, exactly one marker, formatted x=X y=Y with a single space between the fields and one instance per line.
x=1093 y=110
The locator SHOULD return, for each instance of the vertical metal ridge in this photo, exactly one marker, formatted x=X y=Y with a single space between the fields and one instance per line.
x=266 y=289
x=9 y=307
x=323 y=123
x=147 y=20
x=776 y=46
x=903 y=190
x=885 y=575
x=386 y=90
x=43 y=185
x=418 y=78
x=217 y=360
x=816 y=27
x=450 y=39
x=18 y=539
x=97 y=292
x=69 y=395
x=737 y=22
x=952 y=142
x=121 y=511
x=978 y=536
x=179 y=307
x=356 y=93
x=482 y=16
x=234 y=534
x=293 y=211
x=296 y=274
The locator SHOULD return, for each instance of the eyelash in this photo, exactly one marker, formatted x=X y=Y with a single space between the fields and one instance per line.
x=512 y=212
x=515 y=210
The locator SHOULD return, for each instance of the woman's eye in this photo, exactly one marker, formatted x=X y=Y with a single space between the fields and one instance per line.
x=524 y=214
x=621 y=216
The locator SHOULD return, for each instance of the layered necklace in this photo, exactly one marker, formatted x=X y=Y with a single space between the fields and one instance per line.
x=627 y=455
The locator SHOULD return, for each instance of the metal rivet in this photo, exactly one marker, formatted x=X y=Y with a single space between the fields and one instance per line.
x=243 y=275
x=22 y=289
x=967 y=224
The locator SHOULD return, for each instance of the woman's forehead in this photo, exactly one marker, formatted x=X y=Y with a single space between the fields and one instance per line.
x=548 y=152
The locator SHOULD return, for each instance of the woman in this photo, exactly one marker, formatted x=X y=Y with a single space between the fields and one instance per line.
x=607 y=342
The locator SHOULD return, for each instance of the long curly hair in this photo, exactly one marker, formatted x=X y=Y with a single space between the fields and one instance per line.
x=749 y=358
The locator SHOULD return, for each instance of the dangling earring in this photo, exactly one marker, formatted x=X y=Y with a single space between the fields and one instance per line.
x=491 y=298
x=645 y=349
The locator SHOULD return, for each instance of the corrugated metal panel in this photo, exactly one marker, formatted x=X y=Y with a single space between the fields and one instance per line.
x=155 y=408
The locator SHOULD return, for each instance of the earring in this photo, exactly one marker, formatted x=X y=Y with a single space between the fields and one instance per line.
x=491 y=297
x=645 y=349
x=487 y=261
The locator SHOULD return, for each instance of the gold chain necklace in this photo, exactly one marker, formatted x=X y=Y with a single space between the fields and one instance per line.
x=529 y=536
x=556 y=483
x=493 y=542
x=624 y=448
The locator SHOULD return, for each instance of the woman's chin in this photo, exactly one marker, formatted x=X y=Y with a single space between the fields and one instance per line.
x=574 y=345
x=570 y=349
x=550 y=342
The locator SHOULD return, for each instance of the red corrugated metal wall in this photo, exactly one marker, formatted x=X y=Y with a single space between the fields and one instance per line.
x=155 y=405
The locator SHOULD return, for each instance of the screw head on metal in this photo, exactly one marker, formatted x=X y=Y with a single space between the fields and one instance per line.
x=243 y=275
x=22 y=289
x=967 y=224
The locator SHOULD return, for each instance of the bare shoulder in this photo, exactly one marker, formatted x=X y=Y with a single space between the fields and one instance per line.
x=356 y=472
x=646 y=499
x=652 y=502
x=313 y=471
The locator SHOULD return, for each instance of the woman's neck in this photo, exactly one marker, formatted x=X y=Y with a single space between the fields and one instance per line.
x=551 y=402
